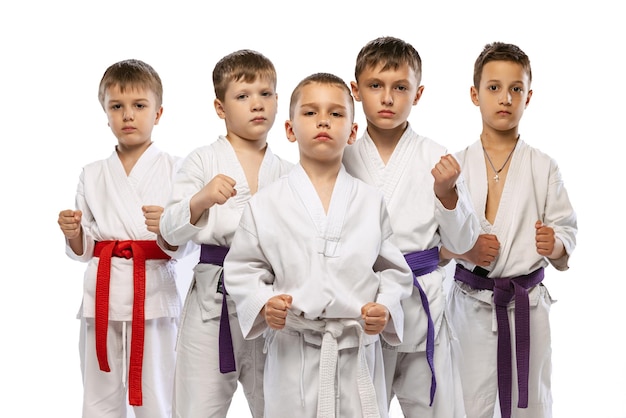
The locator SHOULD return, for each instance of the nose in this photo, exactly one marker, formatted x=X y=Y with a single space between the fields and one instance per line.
x=505 y=97
x=257 y=103
x=128 y=114
x=323 y=123
x=387 y=97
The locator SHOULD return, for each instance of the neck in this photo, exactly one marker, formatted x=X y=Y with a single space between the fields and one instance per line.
x=321 y=172
x=386 y=140
x=246 y=145
x=499 y=141
x=130 y=155
x=386 y=137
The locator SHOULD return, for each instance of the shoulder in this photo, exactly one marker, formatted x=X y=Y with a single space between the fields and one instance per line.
x=199 y=154
x=98 y=165
x=421 y=147
x=285 y=165
x=537 y=156
x=273 y=195
x=168 y=158
x=367 y=191
x=432 y=147
x=463 y=155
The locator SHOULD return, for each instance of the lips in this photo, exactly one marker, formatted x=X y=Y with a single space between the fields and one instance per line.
x=386 y=113
x=322 y=137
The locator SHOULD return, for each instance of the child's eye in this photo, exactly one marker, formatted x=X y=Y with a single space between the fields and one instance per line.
x=492 y=88
x=140 y=105
x=242 y=96
x=309 y=113
x=336 y=114
x=266 y=94
x=402 y=88
x=517 y=89
x=375 y=85
x=116 y=106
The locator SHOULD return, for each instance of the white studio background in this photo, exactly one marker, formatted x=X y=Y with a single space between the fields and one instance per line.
x=54 y=53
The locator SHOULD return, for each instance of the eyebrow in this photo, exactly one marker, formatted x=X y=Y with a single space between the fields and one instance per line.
x=317 y=105
x=140 y=99
x=496 y=80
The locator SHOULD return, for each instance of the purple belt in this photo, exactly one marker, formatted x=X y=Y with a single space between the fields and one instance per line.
x=504 y=290
x=424 y=262
x=214 y=254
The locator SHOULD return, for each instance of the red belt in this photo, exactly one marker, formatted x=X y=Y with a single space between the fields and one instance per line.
x=139 y=251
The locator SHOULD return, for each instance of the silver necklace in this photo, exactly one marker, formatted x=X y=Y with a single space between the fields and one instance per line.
x=497 y=176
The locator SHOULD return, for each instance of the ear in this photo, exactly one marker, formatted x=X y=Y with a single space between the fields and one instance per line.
x=418 y=95
x=289 y=131
x=474 y=96
x=159 y=113
x=355 y=91
x=219 y=108
x=353 y=132
x=528 y=96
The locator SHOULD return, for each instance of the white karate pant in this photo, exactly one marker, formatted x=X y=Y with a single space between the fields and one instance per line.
x=200 y=389
x=408 y=378
x=292 y=378
x=105 y=394
x=473 y=322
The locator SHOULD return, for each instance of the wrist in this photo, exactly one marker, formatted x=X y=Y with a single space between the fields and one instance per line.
x=448 y=199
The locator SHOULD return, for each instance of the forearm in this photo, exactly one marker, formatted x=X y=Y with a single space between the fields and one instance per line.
x=76 y=243
x=197 y=206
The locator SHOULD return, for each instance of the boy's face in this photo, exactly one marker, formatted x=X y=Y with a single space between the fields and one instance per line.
x=503 y=94
x=248 y=109
x=322 y=122
x=132 y=115
x=387 y=96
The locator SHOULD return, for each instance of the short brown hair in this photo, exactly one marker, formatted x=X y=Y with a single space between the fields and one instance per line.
x=500 y=51
x=129 y=74
x=391 y=53
x=320 y=78
x=245 y=65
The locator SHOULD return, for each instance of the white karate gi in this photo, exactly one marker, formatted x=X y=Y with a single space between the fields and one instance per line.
x=331 y=264
x=201 y=390
x=419 y=222
x=111 y=203
x=534 y=190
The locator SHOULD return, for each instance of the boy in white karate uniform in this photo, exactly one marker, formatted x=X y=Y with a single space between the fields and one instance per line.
x=498 y=305
x=208 y=196
x=313 y=268
x=428 y=205
x=130 y=303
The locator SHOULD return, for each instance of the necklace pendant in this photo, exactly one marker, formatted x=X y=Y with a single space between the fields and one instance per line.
x=496 y=177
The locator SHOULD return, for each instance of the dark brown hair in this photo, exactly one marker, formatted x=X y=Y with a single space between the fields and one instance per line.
x=500 y=51
x=391 y=53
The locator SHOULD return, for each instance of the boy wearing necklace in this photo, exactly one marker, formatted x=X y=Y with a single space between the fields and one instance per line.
x=527 y=223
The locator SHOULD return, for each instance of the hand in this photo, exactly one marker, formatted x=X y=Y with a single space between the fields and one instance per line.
x=485 y=251
x=152 y=213
x=69 y=221
x=375 y=316
x=544 y=239
x=446 y=172
x=219 y=189
x=275 y=311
